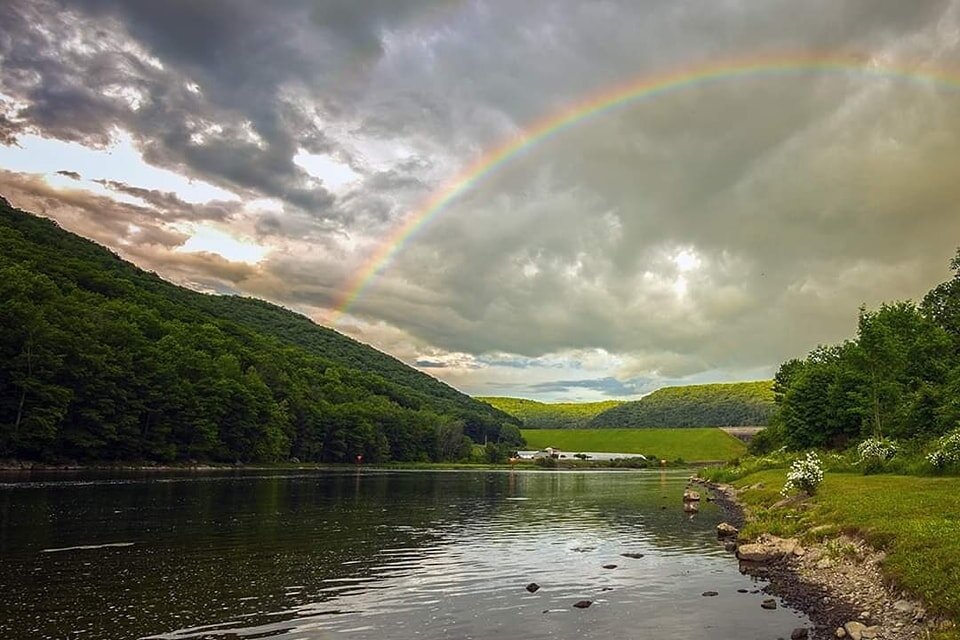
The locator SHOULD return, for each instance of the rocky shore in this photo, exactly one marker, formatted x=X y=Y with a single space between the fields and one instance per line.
x=838 y=583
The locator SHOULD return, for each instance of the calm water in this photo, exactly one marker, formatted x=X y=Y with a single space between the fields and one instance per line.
x=369 y=555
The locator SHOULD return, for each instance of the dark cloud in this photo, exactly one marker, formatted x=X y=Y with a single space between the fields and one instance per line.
x=73 y=175
x=708 y=231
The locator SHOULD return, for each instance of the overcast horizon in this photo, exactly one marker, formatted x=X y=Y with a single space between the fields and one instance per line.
x=702 y=234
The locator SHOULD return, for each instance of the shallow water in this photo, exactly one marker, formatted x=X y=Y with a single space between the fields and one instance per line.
x=369 y=555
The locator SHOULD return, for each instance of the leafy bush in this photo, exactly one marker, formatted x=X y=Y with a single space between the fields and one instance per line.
x=766 y=441
x=874 y=453
x=805 y=475
x=947 y=452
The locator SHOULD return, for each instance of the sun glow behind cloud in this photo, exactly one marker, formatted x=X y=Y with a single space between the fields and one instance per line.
x=209 y=239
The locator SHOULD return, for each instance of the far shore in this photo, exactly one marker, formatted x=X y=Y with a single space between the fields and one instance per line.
x=21 y=466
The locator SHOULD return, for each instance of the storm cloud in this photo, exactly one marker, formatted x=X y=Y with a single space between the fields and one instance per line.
x=706 y=233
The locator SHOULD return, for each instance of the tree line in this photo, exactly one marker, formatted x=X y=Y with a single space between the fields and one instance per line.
x=102 y=361
x=898 y=378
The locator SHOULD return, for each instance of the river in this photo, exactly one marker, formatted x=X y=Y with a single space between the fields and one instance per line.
x=368 y=555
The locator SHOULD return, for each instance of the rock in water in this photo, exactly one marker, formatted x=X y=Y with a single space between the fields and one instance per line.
x=726 y=530
x=799 y=633
x=533 y=587
x=690 y=496
x=632 y=555
x=709 y=594
x=769 y=603
x=583 y=604
x=609 y=566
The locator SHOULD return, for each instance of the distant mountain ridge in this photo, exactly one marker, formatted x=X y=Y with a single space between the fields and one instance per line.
x=553 y=415
x=101 y=360
x=703 y=405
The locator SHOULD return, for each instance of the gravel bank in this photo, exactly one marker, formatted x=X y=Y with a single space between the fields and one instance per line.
x=835 y=582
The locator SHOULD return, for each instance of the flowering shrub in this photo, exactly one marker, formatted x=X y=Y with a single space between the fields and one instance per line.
x=873 y=453
x=805 y=474
x=877 y=449
x=947 y=452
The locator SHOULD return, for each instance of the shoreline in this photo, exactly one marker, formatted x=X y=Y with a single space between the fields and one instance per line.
x=833 y=589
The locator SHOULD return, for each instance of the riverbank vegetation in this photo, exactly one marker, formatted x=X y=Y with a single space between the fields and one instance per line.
x=690 y=445
x=911 y=519
x=882 y=410
x=551 y=415
x=716 y=405
x=100 y=361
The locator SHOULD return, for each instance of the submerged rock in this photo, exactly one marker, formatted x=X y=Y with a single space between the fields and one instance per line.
x=583 y=604
x=533 y=587
x=709 y=594
x=609 y=566
x=632 y=555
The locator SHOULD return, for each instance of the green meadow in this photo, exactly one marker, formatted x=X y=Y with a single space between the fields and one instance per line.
x=691 y=445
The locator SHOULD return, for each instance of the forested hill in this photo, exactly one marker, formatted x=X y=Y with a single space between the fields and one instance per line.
x=100 y=360
x=702 y=405
x=554 y=415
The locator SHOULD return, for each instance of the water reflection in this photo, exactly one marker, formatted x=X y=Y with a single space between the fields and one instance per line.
x=378 y=555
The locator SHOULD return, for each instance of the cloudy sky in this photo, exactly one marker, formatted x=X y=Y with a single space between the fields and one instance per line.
x=704 y=234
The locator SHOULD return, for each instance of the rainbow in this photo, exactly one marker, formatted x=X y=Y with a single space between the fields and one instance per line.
x=604 y=102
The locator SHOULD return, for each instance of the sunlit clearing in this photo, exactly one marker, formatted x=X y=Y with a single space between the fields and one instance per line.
x=211 y=240
x=334 y=174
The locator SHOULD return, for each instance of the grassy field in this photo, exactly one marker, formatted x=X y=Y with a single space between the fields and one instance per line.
x=551 y=415
x=690 y=444
x=915 y=520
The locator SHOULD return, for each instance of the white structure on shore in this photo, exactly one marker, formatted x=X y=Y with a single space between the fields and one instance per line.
x=551 y=452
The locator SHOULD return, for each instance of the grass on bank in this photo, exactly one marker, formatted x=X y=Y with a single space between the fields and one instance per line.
x=915 y=520
x=691 y=445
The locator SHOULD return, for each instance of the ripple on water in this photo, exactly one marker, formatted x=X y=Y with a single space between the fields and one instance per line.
x=427 y=555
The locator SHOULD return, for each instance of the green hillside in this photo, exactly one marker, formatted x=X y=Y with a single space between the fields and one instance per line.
x=668 y=444
x=714 y=405
x=557 y=415
x=100 y=360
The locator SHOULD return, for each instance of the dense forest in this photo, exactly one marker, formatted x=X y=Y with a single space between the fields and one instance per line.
x=100 y=360
x=551 y=415
x=898 y=378
x=702 y=405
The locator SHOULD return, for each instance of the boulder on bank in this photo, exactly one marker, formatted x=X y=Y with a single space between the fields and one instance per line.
x=769 y=549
